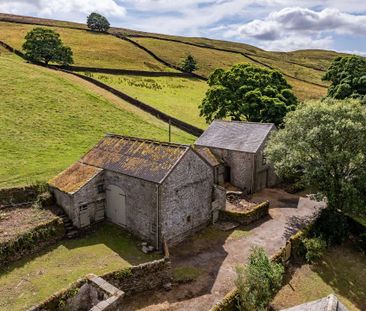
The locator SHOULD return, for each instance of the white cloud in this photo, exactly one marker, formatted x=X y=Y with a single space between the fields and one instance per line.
x=60 y=9
x=299 y=28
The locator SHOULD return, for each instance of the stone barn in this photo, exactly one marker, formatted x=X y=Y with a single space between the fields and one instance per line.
x=155 y=190
x=239 y=146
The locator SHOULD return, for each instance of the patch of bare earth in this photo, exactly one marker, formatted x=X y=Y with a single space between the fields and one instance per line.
x=17 y=220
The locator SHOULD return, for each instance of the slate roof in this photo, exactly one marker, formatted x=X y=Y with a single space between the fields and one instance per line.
x=146 y=159
x=235 y=135
x=329 y=303
x=208 y=155
x=73 y=178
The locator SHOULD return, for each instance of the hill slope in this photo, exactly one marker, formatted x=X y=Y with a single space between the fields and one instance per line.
x=50 y=119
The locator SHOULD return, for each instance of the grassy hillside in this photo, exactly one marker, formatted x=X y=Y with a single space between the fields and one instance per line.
x=177 y=97
x=90 y=49
x=48 y=120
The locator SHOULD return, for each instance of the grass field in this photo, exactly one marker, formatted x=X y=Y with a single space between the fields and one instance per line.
x=342 y=271
x=31 y=280
x=208 y=60
x=90 y=49
x=48 y=120
x=177 y=97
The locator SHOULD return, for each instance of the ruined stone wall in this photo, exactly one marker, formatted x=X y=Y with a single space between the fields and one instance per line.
x=140 y=204
x=17 y=195
x=241 y=165
x=186 y=197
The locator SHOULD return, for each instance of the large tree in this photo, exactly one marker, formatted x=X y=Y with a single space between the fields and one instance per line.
x=247 y=92
x=324 y=143
x=348 y=77
x=97 y=22
x=44 y=45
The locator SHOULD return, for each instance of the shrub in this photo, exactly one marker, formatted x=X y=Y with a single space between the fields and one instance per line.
x=189 y=64
x=258 y=281
x=332 y=226
x=97 y=22
x=314 y=249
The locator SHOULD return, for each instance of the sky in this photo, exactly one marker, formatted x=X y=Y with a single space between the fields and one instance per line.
x=280 y=25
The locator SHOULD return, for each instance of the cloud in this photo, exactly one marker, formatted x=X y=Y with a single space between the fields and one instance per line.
x=297 y=28
x=74 y=9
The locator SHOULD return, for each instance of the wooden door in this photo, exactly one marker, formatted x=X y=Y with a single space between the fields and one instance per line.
x=116 y=205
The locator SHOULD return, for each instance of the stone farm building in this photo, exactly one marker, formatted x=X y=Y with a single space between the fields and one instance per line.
x=155 y=190
x=239 y=146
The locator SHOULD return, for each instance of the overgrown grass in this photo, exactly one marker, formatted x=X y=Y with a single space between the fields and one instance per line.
x=177 y=97
x=48 y=120
x=342 y=271
x=186 y=274
x=89 y=49
x=30 y=281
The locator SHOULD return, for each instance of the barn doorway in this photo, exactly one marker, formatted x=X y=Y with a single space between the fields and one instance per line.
x=227 y=174
x=116 y=205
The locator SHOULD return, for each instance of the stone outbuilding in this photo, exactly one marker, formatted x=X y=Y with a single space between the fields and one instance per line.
x=155 y=190
x=237 y=148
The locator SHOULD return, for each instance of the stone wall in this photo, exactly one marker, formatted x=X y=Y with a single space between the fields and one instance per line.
x=186 y=198
x=246 y=218
x=32 y=241
x=241 y=167
x=264 y=172
x=18 y=195
x=141 y=204
x=136 y=279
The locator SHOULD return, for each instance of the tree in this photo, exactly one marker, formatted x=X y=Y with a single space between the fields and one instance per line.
x=258 y=281
x=44 y=45
x=324 y=143
x=97 y=22
x=247 y=92
x=348 y=77
x=189 y=64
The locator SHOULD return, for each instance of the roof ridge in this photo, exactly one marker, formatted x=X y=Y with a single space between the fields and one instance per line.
x=243 y=122
x=148 y=140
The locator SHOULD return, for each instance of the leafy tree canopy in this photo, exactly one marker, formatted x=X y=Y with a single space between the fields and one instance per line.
x=247 y=92
x=324 y=142
x=348 y=77
x=258 y=281
x=97 y=22
x=44 y=45
x=189 y=64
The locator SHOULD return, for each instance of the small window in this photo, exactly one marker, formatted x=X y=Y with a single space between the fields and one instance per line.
x=100 y=188
x=83 y=207
x=189 y=218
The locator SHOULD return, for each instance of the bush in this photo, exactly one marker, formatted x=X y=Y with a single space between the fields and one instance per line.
x=314 y=249
x=189 y=64
x=97 y=22
x=258 y=281
x=332 y=226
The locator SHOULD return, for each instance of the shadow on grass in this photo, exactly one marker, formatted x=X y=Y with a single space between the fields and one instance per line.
x=344 y=269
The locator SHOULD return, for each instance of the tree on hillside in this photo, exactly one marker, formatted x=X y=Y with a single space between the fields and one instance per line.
x=247 y=92
x=258 y=281
x=324 y=143
x=44 y=45
x=348 y=78
x=189 y=64
x=97 y=22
